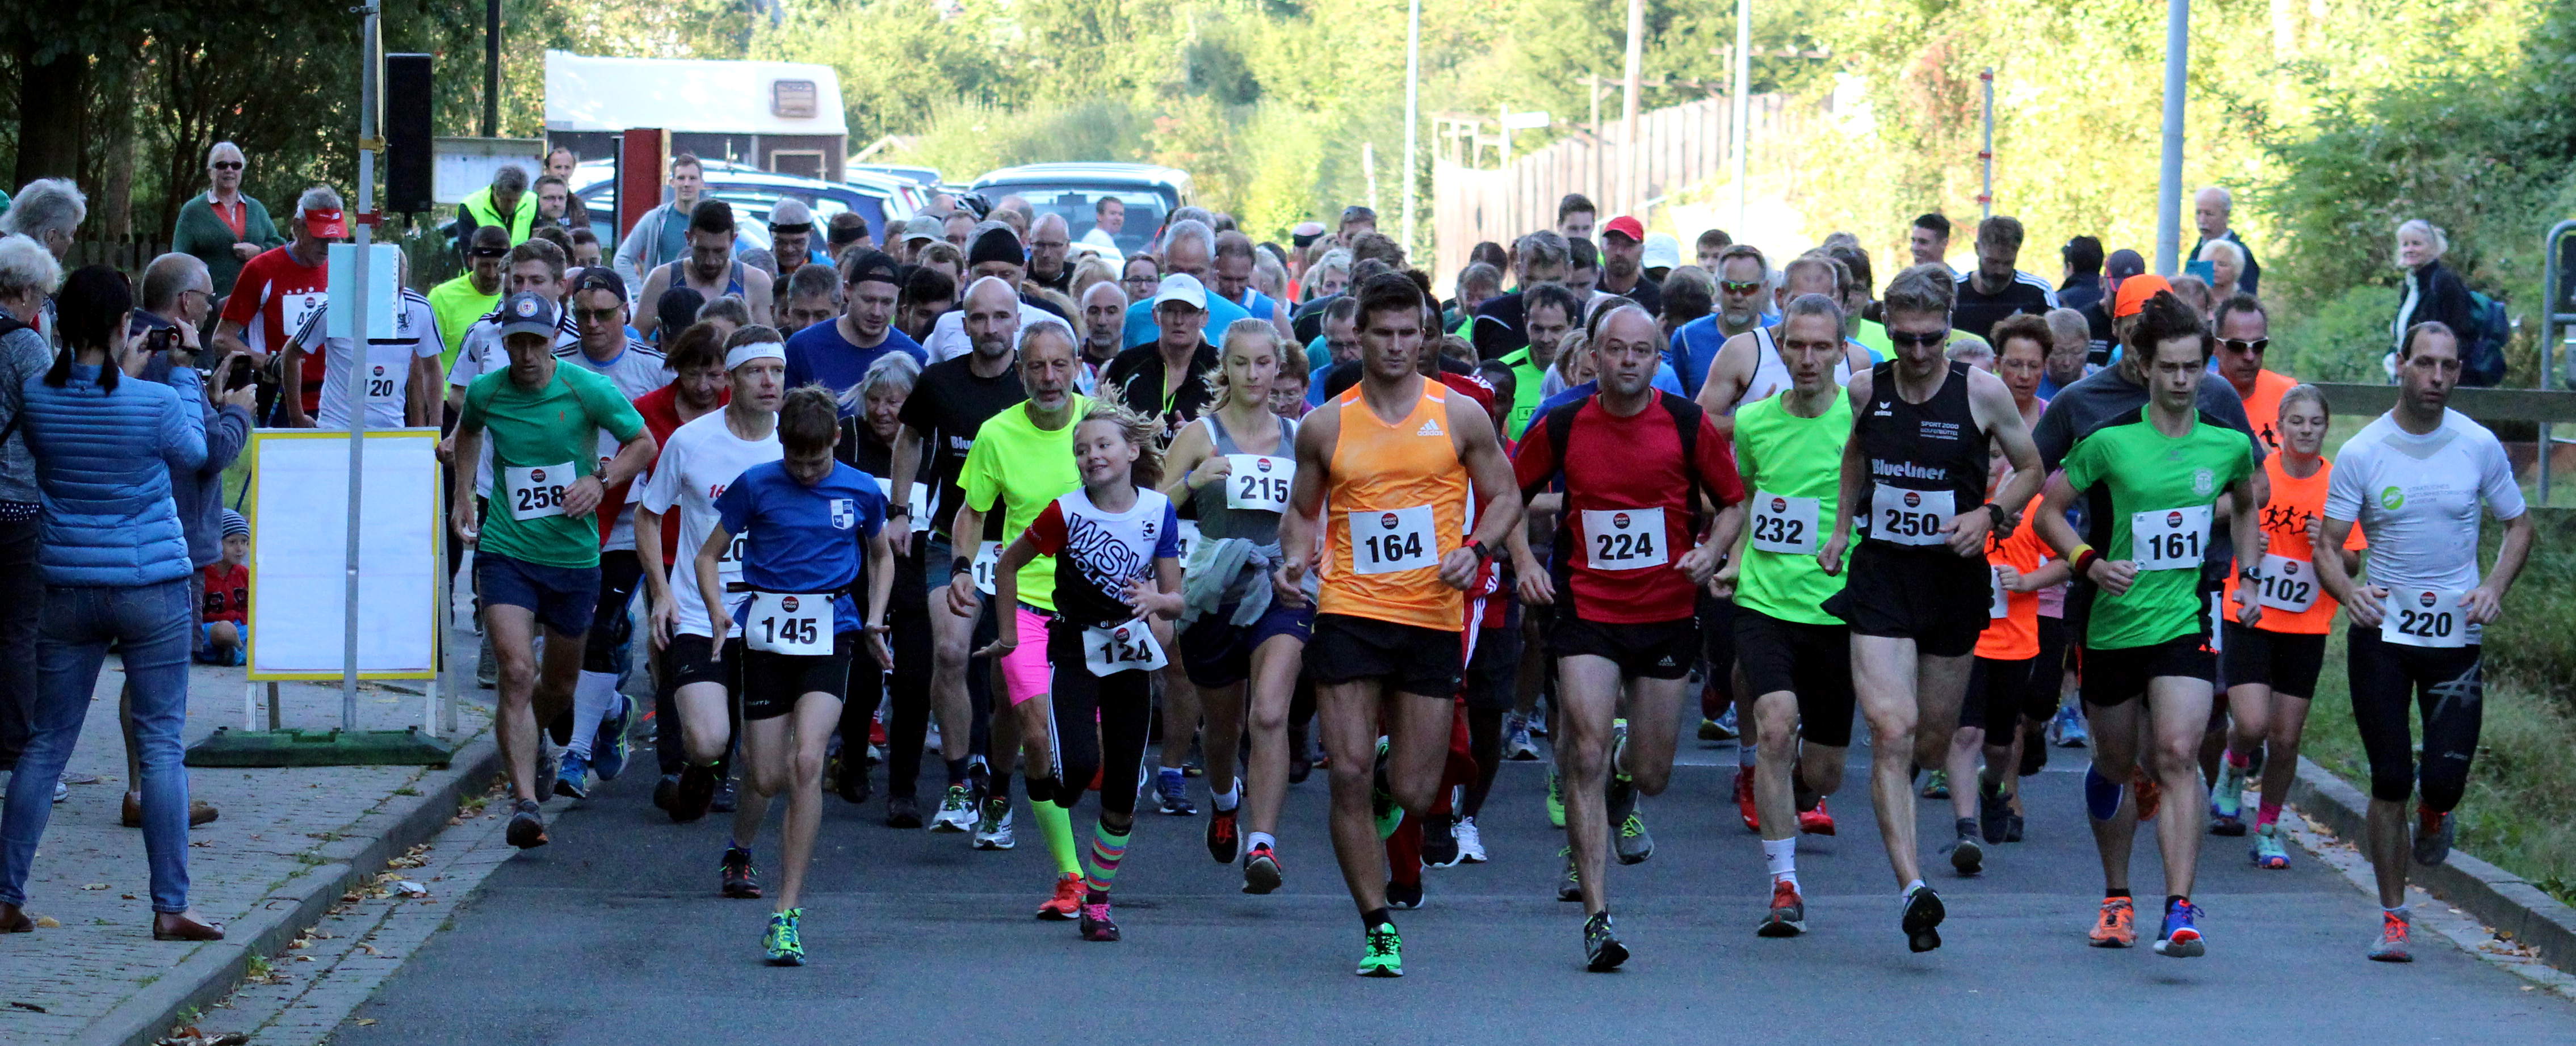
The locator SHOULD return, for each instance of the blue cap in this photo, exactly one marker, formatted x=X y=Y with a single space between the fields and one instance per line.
x=527 y=312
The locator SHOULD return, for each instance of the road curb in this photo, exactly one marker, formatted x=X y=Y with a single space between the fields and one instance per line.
x=214 y=970
x=2498 y=898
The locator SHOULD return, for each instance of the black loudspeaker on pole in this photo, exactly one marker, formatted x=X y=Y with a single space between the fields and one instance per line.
x=408 y=160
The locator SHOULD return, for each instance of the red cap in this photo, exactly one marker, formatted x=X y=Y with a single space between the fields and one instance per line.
x=2134 y=293
x=1626 y=226
x=327 y=224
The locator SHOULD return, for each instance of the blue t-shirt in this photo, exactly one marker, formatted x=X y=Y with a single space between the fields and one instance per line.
x=804 y=539
x=1258 y=304
x=820 y=353
x=1141 y=328
x=1694 y=347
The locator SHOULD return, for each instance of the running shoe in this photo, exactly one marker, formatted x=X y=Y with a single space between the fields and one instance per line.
x=2150 y=795
x=2268 y=851
x=2178 y=938
x=2012 y=827
x=1744 y=800
x=1382 y=799
x=1571 y=887
x=2117 y=926
x=2034 y=749
x=1936 y=785
x=1922 y=920
x=1555 y=799
x=527 y=827
x=1712 y=730
x=1516 y=739
x=693 y=793
x=572 y=774
x=1471 y=843
x=1172 y=794
x=2391 y=946
x=728 y=796
x=1538 y=719
x=993 y=831
x=2433 y=835
x=1634 y=844
x=2067 y=730
x=1439 y=841
x=1261 y=870
x=741 y=880
x=1403 y=896
x=956 y=811
x=2227 y=800
x=1066 y=905
x=1602 y=951
x=851 y=780
x=608 y=744
x=1967 y=856
x=1384 y=952
x=1818 y=821
x=784 y=946
x=1788 y=917
x=903 y=811
x=1994 y=811
x=1726 y=721
x=1096 y=924
x=1223 y=842
x=665 y=790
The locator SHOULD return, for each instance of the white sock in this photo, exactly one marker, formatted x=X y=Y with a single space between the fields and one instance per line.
x=1230 y=798
x=1907 y=894
x=1256 y=840
x=592 y=697
x=1744 y=752
x=1781 y=855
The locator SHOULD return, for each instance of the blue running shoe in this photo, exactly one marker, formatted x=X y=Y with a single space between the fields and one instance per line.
x=2179 y=938
x=608 y=746
x=784 y=945
x=572 y=777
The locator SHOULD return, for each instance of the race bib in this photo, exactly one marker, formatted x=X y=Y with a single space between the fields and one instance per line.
x=2001 y=602
x=1187 y=538
x=1125 y=648
x=297 y=308
x=1908 y=517
x=1784 y=524
x=1258 y=481
x=729 y=561
x=2428 y=617
x=1625 y=539
x=918 y=501
x=988 y=555
x=537 y=491
x=382 y=384
x=788 y=623
x=2168 y=539
x=1392 y=541
x=2287 y=584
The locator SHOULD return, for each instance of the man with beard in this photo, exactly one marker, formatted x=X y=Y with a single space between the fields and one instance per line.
x=710 y=268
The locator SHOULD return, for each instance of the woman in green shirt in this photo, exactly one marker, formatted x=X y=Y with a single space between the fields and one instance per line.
x=224 y=227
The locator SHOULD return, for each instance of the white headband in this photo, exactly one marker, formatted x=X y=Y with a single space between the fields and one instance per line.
x=754 y=350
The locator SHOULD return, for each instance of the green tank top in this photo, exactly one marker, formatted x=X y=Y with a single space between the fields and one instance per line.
x=1791 y=498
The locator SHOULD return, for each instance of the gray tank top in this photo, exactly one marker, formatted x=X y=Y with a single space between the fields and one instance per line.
x=1217 y=521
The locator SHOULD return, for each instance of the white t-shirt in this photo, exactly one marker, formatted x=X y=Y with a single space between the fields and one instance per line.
x=388 y=364
x=702 y=458
x=948 y=338
x=635 y=370
x=2418 y=498
x=481 y=353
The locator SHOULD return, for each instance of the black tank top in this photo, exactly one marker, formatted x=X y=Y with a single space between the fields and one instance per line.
x=1927 y=461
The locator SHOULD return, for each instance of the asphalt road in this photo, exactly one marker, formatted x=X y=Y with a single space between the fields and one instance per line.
x=614 y=933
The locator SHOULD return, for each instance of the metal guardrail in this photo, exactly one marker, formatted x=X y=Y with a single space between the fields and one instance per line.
x=2553 y=327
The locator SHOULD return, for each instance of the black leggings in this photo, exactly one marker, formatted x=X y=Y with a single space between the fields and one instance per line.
x=619 y=572
x=909 y=723
x=2446 y=686
x=1123 y=707
x=2047 y=674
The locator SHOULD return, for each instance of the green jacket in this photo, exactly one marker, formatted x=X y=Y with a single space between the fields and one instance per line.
x=202 y=234
x=477 y=211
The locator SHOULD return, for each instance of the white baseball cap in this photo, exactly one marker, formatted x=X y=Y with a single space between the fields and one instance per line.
x=1181 y=287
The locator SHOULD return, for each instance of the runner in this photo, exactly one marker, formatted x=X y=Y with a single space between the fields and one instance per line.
x=1389 y=614
x=1990 y=717
x=402 y=371
x=1634 y=476
x=870 y=429
x=2272 y=668
x=1115 y=543
x=1921 y=430
x=1235 y=465
x=799 y=626
x=947 y=407
x=700 y=385
x=710 y=268
x=540 y=564
x=2146 y=657
x=1795 y=657
x=2417 y=627
x=1022 y=461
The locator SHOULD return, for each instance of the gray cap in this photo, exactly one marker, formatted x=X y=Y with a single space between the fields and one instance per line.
x=527 y=313
x=791 y=214
x=925 y=227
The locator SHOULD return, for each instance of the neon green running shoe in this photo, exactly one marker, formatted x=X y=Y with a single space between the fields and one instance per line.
x=1384 y=956
x=1555 y=799
x=1390 y=816
x=785 y=947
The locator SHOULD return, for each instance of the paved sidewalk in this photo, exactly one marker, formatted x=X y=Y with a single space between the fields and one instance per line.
x=286 y=836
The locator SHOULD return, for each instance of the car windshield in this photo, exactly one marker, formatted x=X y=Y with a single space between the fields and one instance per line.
x=1145 y=209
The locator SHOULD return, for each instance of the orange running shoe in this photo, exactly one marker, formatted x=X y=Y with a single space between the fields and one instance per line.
x=1818 y=821
x=1744 y=799
x=2117 y=927
x=1067 y=902
x=2149 y=795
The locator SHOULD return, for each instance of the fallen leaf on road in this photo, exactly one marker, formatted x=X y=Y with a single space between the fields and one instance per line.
x=369 y=949
x=365 y=1021
x=126 y=896
x=409 y=888
x=93 y=886
x=304 y=958
x=47 y=922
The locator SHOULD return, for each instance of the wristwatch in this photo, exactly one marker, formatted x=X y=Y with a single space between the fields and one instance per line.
x=1483 y=554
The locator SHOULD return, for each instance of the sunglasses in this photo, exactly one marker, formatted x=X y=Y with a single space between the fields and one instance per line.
x=1740 y=286
x=2255 y=346
x=607 y=315
x=1903 y=339
x=226 y=165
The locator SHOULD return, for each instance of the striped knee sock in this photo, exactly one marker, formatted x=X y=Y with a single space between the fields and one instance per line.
x=1108 y=847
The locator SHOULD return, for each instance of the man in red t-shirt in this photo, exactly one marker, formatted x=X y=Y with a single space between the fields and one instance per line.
x=1625 y=581
x=278 y=289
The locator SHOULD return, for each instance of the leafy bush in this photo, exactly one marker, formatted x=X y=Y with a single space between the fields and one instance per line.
x=2341 y=339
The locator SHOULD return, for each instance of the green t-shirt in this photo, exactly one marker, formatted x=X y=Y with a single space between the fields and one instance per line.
x=541 y=441
x=457 y=305
x=1526 y=379
x=2170 y=483
x=1024 y=467
x=1792 y=459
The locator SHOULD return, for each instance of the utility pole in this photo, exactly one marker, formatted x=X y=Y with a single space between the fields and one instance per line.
x=491 y=68
x=1743 y=101
x=1632 y=191
x=1986 y=155
x=362 y=220
x=2169 y=181
x=1412 y=109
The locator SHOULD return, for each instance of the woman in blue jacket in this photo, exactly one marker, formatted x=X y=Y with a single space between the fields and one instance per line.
x=115 y=566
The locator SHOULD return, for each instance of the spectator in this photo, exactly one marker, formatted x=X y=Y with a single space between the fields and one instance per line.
x=813 y=296
x=1050 y=240
x=225 y=227
x=927 y=294
x=2226 y=268
x=1996 y=289
x=278 y=289
x=560 y=164
x=2083 y=282
x=1108 y=219
x=2433 y=292
x=1623 y=272
x=661 y=236
x=791 y=236
x=1929 y=240
x=2210 y=208
x=1575 y=216
x=48 y=211
x=505 y=203
x=845 y=231
x=459 y=302
x=115 y=564
x=1711 y=244
x=1662 y=254
x=838 y=353
x=28 y=275
x=223 y=636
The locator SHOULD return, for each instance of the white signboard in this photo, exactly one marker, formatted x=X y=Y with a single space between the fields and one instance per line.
x=299 y=511
x=384 y=289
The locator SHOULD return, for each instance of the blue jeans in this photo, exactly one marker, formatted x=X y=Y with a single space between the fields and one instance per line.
x=150 y=626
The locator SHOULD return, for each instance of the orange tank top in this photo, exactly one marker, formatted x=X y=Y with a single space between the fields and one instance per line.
x=1397 y=503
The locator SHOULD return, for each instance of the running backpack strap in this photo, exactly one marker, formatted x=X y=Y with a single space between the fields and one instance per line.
x=1560 y=427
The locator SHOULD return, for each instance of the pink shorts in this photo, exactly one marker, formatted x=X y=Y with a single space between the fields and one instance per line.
x=1024 y=670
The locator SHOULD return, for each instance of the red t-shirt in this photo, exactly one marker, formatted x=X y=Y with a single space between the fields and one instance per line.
x=270 y=300
x=661 y=411
x=227 y=592
x=1498 y=603
x=1613 y=559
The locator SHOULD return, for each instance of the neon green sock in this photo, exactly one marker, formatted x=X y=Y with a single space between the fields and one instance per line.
x=1056 y=823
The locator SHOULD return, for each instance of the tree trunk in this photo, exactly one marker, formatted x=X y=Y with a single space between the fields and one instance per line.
x=52 y=103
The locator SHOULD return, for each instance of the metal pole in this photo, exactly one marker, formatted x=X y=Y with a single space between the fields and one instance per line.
x=492 y=68
x=1368 y=170
x=1986 y=155
x=1412 y=109
x=2169 y=181
x=2553 y=331
x=1630 y=188
x=364 y=196
x=1736 y=130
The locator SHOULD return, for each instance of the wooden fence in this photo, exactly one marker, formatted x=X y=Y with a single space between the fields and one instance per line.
x=128 y=255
